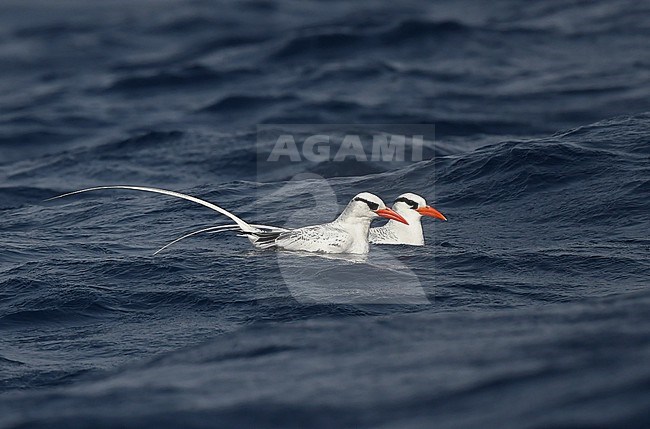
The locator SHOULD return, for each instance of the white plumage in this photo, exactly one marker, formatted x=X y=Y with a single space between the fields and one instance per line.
x=411 y=207
x=346 y=234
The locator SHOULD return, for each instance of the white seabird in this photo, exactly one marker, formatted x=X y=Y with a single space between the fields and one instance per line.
x=411 y=207
x=348 y=233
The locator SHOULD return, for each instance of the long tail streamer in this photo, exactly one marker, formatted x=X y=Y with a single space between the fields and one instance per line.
x=245 y=227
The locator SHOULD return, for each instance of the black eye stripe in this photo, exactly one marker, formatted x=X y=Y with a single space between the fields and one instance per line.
x=371 y=205
x=412 y=204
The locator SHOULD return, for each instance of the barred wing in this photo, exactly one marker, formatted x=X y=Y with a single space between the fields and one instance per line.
x=382 y=235
x=318 y=238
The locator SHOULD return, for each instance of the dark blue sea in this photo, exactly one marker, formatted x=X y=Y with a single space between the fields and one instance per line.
x=529 y=308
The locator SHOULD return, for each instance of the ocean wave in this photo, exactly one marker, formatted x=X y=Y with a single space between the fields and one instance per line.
x=192 y=76
x=535 y=287
x=233 y=103
x=523 y=169
x=280 y=360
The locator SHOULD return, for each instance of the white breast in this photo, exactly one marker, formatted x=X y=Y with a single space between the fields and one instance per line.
x=398 y=233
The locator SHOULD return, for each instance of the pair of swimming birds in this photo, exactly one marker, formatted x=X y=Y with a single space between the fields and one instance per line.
x=350 y=232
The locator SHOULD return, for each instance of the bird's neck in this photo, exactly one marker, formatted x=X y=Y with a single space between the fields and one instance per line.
x=407 y=234
x=346 y=218
x=358 y=228
x=349 y=216
x=350 y=221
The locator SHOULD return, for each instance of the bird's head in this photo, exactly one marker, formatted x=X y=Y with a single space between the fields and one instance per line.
x=412 y=206
x=367 y=205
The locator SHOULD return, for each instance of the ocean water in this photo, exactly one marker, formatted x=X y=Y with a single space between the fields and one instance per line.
x=530 y=308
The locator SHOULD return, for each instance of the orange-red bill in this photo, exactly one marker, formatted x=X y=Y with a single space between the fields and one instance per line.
x=391 y=214
x=430 y=211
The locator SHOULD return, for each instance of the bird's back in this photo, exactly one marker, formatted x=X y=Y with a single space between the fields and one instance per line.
x=327 y=238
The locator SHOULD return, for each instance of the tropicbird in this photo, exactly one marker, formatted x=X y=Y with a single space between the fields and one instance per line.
x=412 y=207
x=348 y=233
